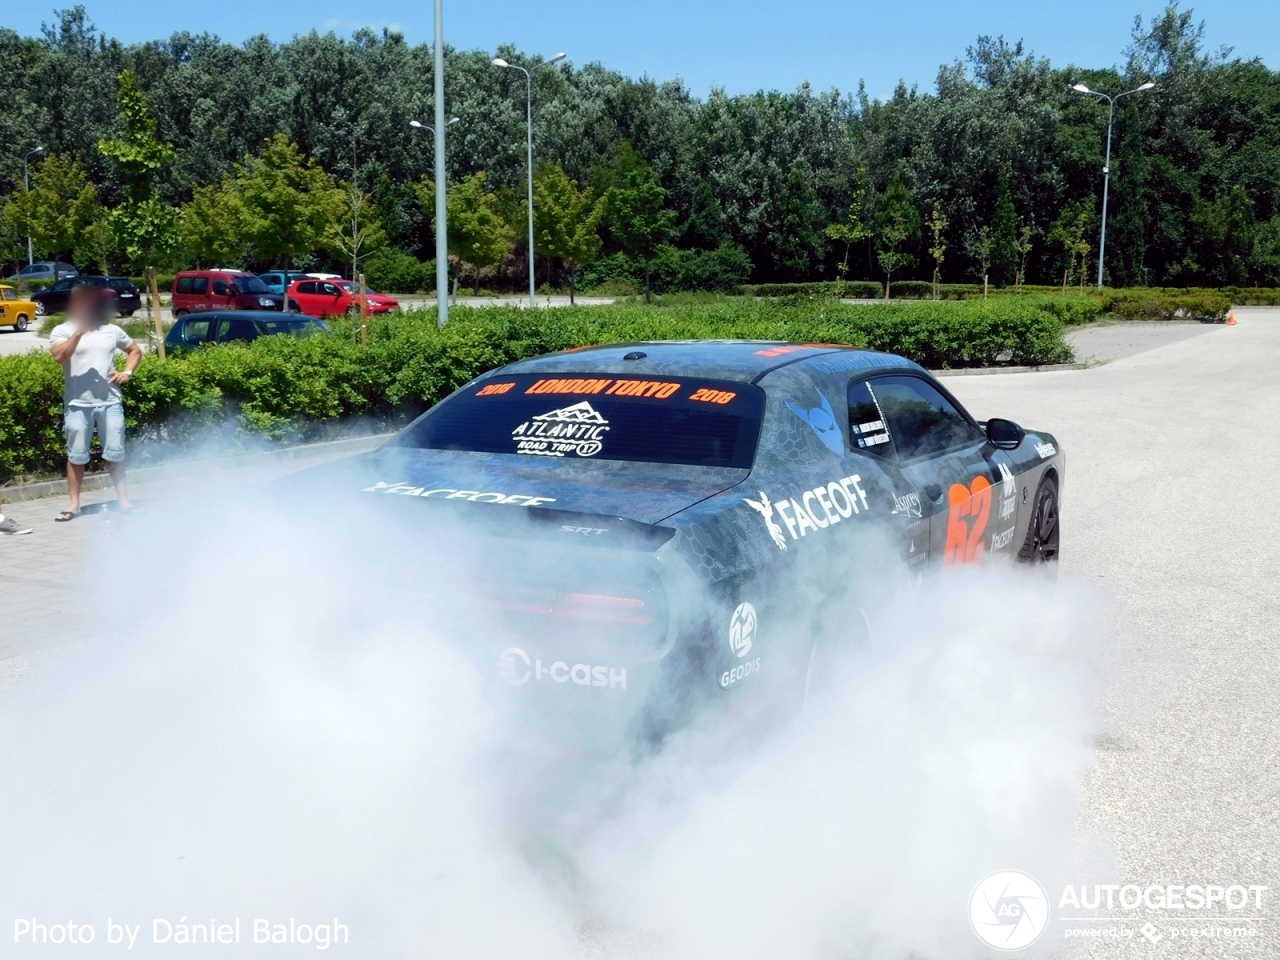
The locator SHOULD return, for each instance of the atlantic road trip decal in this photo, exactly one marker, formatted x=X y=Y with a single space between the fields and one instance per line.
x=578 y=429
x=451 y=493
x=816 y=509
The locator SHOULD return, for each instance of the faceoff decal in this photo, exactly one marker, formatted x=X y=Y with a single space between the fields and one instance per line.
x=816 y=509
x=450 y=493
x=822 y=421
x=578 y=429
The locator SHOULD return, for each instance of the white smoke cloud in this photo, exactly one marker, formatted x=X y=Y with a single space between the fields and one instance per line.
x=294 y=727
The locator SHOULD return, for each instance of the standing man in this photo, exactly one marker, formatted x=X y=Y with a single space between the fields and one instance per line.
x=86 y=346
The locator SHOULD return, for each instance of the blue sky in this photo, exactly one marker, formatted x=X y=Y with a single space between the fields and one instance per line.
x=741 y=45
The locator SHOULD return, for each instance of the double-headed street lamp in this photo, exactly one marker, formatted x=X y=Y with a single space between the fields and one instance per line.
x=442 y=224
x=1106 y=170
x=430 y=129
x=528 y=76
x=26 y=185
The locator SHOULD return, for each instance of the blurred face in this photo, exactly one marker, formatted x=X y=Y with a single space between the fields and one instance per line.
x=87 y=306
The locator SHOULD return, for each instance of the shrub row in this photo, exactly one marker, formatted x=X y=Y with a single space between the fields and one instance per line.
x=297 y=390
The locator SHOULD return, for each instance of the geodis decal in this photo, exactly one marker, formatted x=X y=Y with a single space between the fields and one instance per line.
x=816 y=509
x=742 y=631
x=578 y=429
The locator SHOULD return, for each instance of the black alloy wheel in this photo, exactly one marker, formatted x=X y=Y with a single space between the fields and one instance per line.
x=1041 y=544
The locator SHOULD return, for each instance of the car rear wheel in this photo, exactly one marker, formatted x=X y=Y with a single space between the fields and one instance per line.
x=20 y=324
x=1041 y=543
x=126 y=313
x=41 y=309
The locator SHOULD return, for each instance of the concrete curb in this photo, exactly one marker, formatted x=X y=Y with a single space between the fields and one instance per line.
x=177 y=468
x=983 y=371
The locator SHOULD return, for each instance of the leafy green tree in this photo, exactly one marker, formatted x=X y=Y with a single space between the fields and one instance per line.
x=1226 y=228
x=287 y=204
x=479 y=235
x=980 y=245
x=1069 y=233
x=1026 y=236
x=211 y=226
x=854 y=228
x=58 y=209
x=634 y=212
x=143 y=226
x=1004 y=232
x=897 y=227
x=566 y=220
x=798 y=241
x=938 y=249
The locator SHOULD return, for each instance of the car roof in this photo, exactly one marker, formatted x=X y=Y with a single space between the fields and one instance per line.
x=741 y=360
x=248 y=315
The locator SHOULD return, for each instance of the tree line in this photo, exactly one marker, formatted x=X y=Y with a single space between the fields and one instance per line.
x=195 y=149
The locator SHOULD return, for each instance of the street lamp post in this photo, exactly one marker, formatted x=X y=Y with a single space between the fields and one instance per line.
x=442 y=239
x=528 y=77
x=442 y=228
x=1106 y=169
x=26 y=185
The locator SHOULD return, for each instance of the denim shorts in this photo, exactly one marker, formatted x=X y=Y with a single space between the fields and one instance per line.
x=79 y=424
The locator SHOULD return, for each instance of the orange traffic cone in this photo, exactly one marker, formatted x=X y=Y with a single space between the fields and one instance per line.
x=1231 y=319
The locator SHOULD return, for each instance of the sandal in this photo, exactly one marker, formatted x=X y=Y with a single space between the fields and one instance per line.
x=66 y=515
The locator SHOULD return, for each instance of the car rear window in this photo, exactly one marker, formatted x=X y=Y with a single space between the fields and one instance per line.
x=292 y=328
x=599 y=416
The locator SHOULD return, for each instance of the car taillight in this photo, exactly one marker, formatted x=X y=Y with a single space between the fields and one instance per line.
x=601 y=607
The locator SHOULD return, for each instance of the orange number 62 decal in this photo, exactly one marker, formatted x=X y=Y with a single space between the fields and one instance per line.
x=967 y=522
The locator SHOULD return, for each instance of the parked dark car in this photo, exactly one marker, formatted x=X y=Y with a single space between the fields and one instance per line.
x=226 y=326
x=121 y=290
x=197 y=290
x=278 y=281
x=44 y=270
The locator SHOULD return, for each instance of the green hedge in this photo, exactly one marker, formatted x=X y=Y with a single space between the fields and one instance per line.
x=852 y=289
x=297 y=390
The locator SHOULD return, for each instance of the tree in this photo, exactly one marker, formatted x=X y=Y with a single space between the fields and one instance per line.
x=287 y=204
x=897 y=226
x=478 y=233
x=1004 y=232
x=1068 y=232
x=1025 y=238
x=798 y=240
x=142 y=225
x=60 y=206
x=566 y=220
x=854 y=228
x=358 y=232
x=633 y=211
x=938 y=250
x=981 y=245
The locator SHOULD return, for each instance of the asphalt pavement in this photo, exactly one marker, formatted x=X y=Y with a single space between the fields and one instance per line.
x=1169 y=457
x=1168 y=450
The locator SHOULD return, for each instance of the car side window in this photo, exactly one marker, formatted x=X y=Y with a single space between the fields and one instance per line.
x=921 y=420
x=200 y=285
x=868 y=432
x=10 y=293
x=221 y=288
x=330 y=289
x=184 y=285
x=236 y=328
x=307 y=287
x=195 y=331
x=62 y=285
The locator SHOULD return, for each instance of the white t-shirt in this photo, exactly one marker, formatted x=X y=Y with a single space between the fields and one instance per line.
x=86 y=370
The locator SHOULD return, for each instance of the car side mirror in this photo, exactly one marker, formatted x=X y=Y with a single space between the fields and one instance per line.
x=1004 y=434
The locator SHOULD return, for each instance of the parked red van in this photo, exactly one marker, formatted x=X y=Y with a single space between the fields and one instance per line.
x=197 y=290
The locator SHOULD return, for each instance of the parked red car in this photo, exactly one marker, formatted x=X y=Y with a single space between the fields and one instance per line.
x=332 y=298
x=197 y=290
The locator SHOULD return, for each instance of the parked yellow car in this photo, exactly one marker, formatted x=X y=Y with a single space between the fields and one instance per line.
x=14 y=310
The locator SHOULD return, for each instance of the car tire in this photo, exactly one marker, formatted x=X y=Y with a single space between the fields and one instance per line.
x=1040 y=546
x=41 y=309
x=126 y=313
x=177 y=314
x=20 y=324
x=353 y=313
x=294 y=307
